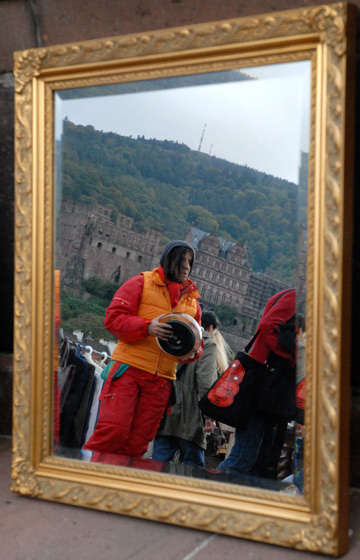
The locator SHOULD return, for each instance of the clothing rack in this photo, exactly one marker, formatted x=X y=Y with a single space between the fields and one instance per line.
x=80 y=384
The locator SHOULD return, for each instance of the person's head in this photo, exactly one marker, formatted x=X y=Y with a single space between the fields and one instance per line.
x=209 y=321
x=177 y=260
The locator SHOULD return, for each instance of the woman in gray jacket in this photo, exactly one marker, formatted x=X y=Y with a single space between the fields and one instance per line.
x=185 y=429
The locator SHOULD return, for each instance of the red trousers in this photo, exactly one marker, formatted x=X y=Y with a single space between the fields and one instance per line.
x=130 y=412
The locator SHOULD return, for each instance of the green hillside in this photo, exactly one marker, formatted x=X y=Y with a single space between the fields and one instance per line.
x=166 y=185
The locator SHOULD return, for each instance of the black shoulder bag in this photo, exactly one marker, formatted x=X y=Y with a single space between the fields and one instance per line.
x=232 y=398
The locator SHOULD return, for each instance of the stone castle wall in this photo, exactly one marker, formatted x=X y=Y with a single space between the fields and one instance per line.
x=94 y=243
x=91 y=244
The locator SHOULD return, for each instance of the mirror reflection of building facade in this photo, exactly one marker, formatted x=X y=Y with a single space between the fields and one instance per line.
x=94 y=242
x=222 y=268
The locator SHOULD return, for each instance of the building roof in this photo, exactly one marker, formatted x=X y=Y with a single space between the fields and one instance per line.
x=198 y=235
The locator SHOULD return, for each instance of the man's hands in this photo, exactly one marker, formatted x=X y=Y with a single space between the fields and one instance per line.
x=161 y=330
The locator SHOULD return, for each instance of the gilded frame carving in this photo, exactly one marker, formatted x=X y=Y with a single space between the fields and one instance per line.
x=316 y=521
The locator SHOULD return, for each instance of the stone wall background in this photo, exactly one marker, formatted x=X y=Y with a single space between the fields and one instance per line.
x=35 y=23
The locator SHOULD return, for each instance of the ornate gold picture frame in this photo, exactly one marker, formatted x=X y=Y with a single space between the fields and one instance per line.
x=324 y=36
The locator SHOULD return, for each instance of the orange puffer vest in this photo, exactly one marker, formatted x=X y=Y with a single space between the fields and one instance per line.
x=146 y=354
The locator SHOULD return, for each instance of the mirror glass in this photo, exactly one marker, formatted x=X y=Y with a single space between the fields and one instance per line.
x=218 y=159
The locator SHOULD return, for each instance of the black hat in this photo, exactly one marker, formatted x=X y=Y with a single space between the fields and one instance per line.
x=171 y=245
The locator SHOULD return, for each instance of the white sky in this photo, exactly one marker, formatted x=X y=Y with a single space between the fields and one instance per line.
x=262 y=123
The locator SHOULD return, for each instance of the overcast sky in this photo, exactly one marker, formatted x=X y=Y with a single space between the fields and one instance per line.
x=262 y=123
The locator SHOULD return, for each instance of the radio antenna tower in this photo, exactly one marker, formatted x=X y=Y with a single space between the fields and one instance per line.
x=201 y=139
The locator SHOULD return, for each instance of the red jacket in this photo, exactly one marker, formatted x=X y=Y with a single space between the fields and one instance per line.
x=134 y=305
x=273 y=316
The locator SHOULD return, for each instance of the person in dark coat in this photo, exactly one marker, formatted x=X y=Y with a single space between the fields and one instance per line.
x=258 y=444
x=185 y=429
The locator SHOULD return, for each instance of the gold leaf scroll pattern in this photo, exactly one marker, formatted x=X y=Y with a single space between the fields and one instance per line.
x=317 y=537
x=182 y=513
x=330 y=335
x=180 y=70
x=48 y=325
x=310 y=277
x=27 y=65
x=23 y=477
x=23 y=274
x=200 y=36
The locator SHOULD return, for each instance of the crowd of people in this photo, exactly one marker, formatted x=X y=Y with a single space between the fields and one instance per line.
x=150 y=396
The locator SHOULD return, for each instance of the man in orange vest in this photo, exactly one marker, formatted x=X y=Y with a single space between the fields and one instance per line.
x=140 y=375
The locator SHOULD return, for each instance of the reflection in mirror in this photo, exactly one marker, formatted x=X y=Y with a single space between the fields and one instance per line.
x=218 y=160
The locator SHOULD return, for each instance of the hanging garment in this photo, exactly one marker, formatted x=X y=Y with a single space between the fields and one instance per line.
x=74 y=402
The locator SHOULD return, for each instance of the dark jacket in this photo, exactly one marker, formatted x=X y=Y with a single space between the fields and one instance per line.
x=279 y=309
x=193 y=381
x=276 y=344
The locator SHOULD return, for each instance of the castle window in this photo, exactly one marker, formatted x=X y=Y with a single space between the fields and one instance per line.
x=113 y=250
x=128 y=255
x=117 y=274
x=139 y=259
x=99 y=245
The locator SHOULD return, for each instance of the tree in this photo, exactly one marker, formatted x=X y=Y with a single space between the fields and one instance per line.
x=226 y=313
x=104 y=290
x=90 y=324
x=203 y=219
x=260 y=255
x=167 y=185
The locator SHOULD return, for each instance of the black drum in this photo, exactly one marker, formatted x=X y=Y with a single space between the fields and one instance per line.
x=186 y=338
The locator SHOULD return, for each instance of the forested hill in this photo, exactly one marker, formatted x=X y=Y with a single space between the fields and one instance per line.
x=167 y=185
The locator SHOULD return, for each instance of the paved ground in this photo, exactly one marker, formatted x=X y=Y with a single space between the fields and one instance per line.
x=37 y=530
